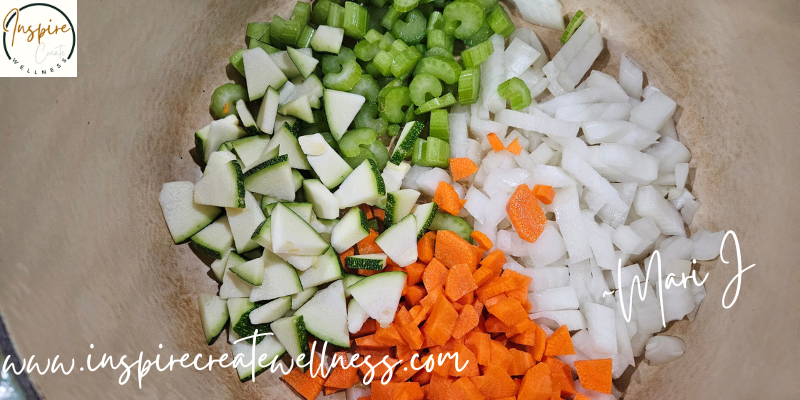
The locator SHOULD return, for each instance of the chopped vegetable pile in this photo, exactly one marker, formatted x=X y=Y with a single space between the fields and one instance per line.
x=409 y=179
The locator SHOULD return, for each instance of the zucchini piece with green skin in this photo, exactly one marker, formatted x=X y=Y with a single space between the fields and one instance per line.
x=249 y=149
x=224 y=99
x=351 y=229
x=221 y=186
x=324 y=160
x=326 y=269
x=399 y=241
x=218 y=132
x=298 y=299
x=267 y=351
x=324 y=203
x=251 y=271
x=399 y=204
x=325 y=315
x=262 y=234
x=243 y=222
x=374 y=262
x=324 y=227
x=271 y=311
x=303 y=209
x=349 y=280
x=268 y=111
x=237 y=307
x=300 y=108
x=291 y=332
x=327 y=39
x=262 y=73
x=236 y=61
x=424 y=214
x=405 y=142
x=300 y=263
x=287 y=143
x=248 y=122
x=356 y=316
x=281 y=279
x=340 y=109
x=183 y=216
x=297 y=179
x=293 y=235
x=233 y=286
x=215 y=239
x=245 y=328
x=213 y=314
x=304 y=63
x=218 y=266
x=285 y=63
x=272 y=178
x=448 y=222
x=379 y=294
x=363 y=185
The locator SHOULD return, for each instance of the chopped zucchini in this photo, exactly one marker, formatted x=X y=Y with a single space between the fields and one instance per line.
x=184 y=217
x=214 y=314
x=399 y=241
x=379 y=294
x=363 y=185
x=325 y=315
x=375 y=262
x=351 y=229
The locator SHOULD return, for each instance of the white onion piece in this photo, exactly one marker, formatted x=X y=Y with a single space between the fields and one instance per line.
x=706 y=244
x=630 y=77
x=563 y=298
x=547 y=13
x=663 y=349
x=573 y=319
x=654 y=112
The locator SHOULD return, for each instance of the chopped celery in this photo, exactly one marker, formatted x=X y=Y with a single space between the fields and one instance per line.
x=394 y=130
x=237 y=61
x=335 y=16
x=393 y=104
x=376 y=15
x=486 y=5
x=448 y=70
x=433 y=152
x=373 y=36
x=404 y=63
x=435 y=21
x=257 y=30
x=319 y=14
x=379 y=3
x=367 y=87
x=376 y=152
x=397 y=47
x=475 y=55
x=305 y=37
x=463 y=19
x=439 y=102
x=350 y=143
x=469 y=86
x=368 y=117
x=424 y=87
x=383 y=62
x=573 y=26
x=439 y=125
x=500 y=22
x=517 y=91
x=344 y=80
x=224 y=98
x=437 y=38
x=412 y=29
x=387 y=41
x=438 y=51
x=334 y=63
x=483 y=35
x=285 y=32
x=366 y=51
x=356 y=20
x=405 y=5
x=391 y=16
x=301 y=12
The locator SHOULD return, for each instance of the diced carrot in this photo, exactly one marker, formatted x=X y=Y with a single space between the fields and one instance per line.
x=544 y=193
x=408 y=329
x=521 y=362
x=369 y=342
x=342 y=378
x=580 y=396
x=462 y=168
x=369 y=327
x=459 y=282
x=525 y=214
x=467 y=361
x=375 y=354
x=440 y=387
x=404 y=372
x=414 y=273
x=380 y=367
x=495 y=261
x=466 y=321
x=522 y=283
x=441 y=321
x=367 y=210
x=451 y=249
x=379 y=213
x=561 y=374
x=457 y=306
x=515 y=147
x=478 y=343
x=441 y=361
x=496 y=286
x=435 y=275
x=595 y=374
x=537 y=384
x=467 y=298
x=302 y=384
x=447 y=198
x=368 y=245
x=493 y=300
x=328 y=390
x=528 y=337
x=495 y=142
x=559 y=343
x=526 y=304
x=389 y=336
x=478 y=255
x=478 y=305
x=501 y=357
x=482 y=275
x=418 y=313
x=415 y=293
x=539 y=343
x=430 y=300
x=422 y=376
x=347 y=253
x=509 y=311
x=463 y=202
x=404 y=352
x=464 y=389
x=496 y=383
x=482 y=240
x=425 y=246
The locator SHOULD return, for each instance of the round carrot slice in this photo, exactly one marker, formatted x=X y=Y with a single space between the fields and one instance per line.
x=525 y=214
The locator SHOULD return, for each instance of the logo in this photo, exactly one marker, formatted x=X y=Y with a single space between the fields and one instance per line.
x=39 y=39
